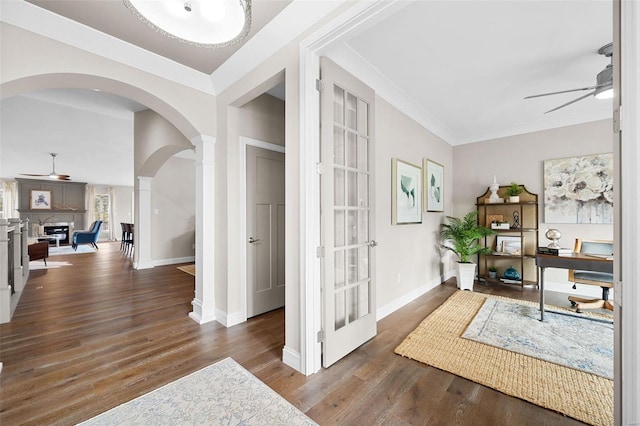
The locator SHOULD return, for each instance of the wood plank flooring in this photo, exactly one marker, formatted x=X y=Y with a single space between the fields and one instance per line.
x=91 y=333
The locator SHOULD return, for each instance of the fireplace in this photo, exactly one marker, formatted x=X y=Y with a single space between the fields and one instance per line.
x=60 y=231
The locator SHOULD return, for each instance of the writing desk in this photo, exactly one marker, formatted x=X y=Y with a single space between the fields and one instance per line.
x=581 y=261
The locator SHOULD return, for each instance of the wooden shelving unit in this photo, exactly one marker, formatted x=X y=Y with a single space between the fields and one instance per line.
x=507 y=255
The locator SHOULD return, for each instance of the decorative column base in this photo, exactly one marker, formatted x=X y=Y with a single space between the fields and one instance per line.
x=202 y=313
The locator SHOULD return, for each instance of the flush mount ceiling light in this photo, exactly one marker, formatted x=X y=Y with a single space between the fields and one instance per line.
x=203 y=23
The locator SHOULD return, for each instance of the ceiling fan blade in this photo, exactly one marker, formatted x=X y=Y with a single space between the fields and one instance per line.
x=53 y=174
x=562 y=91
x=571 y=102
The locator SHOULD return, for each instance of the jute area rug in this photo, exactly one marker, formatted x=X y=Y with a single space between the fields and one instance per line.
x=221 y=394
x=189 y=269
x=438 y=342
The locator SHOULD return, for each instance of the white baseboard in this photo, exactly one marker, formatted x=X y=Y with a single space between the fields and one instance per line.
x=174 y=261
x=393 y=306
x=229 y=320
x=292 y=358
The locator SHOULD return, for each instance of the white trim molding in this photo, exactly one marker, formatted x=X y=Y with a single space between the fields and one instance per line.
x=229 y=320
x=291 y=358
x=173 y=261
x=627 y=377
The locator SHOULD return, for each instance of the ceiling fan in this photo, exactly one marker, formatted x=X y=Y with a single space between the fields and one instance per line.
x=53 y=174
x=604 y=82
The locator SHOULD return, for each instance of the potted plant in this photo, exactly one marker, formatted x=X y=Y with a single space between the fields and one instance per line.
x=514 y=190
x=493 y=271
x=461 y=237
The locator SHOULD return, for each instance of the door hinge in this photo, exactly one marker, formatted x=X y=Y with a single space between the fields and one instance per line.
x=617 y=119
x=319 y=168
x=320 y=336
x=319 y=85
x=617 y=293
x=319 y=251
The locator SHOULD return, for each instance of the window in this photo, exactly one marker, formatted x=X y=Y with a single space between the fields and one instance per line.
x=102 y=210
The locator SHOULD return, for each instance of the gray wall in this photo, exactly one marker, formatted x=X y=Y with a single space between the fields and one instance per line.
x=407 y=258
x=173 y=221
x=263 y=119
x=172 y=189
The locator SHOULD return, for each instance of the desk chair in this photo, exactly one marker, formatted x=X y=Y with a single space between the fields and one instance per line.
x=602 y=279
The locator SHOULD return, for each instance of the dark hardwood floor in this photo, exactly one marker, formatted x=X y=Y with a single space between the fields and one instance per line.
x=91 y=333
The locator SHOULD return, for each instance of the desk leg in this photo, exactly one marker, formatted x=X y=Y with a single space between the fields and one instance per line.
x=541 y=293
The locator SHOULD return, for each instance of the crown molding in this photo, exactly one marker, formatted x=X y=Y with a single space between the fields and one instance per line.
x=40 y=21
x=547 y=123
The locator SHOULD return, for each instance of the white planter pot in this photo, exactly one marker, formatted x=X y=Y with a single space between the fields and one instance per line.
x=514 y=199
x=465 y=275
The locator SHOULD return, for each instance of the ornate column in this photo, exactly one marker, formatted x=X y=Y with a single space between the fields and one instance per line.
x=142 y=228
x=204 y=300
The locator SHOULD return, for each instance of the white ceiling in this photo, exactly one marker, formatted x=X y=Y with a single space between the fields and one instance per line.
x=460 y=68
x=469 y=64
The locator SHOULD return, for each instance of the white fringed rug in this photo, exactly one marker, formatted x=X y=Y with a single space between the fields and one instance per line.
x=221 y=394
x=57 y=251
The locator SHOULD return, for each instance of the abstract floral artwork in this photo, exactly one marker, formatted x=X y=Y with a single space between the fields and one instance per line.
x=579 y=189
x=406 y=193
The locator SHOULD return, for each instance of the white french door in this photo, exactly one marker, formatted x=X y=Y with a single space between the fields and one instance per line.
x=347 y=221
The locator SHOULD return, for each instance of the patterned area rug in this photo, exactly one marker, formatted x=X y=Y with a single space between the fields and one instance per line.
x=438 y=342
x=220 y=394
x=575 y=340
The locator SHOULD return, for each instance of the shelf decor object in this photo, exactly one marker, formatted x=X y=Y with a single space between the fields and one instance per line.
x=433 y=185
x=406 y=193
x=494 y=198
x=511 y=247
x=554 y=236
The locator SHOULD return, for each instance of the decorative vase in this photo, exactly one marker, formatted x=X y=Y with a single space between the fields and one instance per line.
x=494 y=198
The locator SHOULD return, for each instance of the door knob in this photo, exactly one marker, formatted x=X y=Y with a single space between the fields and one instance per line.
x=372 y=243
x=252 y=240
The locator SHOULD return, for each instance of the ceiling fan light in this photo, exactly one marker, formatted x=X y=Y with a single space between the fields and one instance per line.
x=605 y=94
x=204 y=23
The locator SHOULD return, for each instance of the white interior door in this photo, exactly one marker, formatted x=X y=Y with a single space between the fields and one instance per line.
x=265 y=230
x=347 y=111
